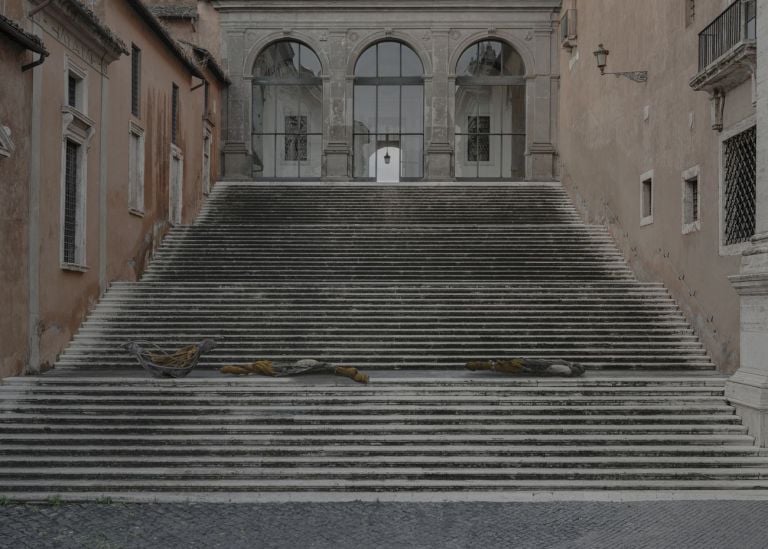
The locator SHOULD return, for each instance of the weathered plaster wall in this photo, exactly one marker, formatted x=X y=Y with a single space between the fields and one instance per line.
x=132 y=238
x=15 y=113
x=612 y=131
x=65 y=295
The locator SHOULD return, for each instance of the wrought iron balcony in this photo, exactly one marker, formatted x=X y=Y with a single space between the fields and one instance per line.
x=727 y=49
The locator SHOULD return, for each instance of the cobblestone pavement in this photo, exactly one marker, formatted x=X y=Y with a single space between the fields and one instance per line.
x=680 y=524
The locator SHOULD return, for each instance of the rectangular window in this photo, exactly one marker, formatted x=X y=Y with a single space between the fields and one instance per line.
x=646 y=198
x=479 y=142
x=206 y=98
x=296 y=138
x=175 y=115
x=72 y=208
x=135 y=81
x=72 y=85
x=691 y=201
x=739 y=194
x=75 y=93
x=136 y=171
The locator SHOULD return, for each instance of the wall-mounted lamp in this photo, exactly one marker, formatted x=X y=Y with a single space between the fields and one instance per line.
x=601 y=54
x=387 y=158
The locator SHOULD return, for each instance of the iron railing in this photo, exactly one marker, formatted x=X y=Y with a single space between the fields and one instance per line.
x=735 y=25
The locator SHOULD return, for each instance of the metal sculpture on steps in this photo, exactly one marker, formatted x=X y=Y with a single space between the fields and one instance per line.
x=528 y=367
x=161 y=363
x=300 y=367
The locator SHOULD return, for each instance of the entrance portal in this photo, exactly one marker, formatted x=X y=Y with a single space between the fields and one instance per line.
x=389 y=114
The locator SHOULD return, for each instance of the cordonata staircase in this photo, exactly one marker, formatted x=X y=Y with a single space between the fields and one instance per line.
x=408 y=283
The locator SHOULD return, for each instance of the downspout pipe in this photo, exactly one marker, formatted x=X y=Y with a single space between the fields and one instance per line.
x=34 y=64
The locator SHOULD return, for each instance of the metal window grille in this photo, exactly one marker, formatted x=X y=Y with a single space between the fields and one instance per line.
x=691 y=200
x=175 y=115
x=479 y=142
x=72 y=82
x=135 y=81
x=70 y=201
x=740 y=160
x=296 y=138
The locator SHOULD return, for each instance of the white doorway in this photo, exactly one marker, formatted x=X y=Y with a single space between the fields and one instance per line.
x=384 y=165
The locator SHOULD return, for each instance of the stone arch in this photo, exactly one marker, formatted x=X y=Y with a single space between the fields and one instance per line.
x=261 y=44
x=382 y=36
x=519 y=45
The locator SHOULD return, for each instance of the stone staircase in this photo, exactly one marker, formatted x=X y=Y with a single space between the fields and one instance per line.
x=407 y=282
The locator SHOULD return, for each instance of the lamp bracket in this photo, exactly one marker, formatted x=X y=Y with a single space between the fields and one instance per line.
x=635 y=76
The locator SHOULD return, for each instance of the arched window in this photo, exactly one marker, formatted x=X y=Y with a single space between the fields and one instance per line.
x=490 y=112
x=388 y=128
x=287 y=113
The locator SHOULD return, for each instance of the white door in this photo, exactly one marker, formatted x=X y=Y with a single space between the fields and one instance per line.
x=175 y=190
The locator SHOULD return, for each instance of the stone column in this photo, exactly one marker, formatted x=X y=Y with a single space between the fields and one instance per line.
x=237 y=156
x=541 y=151
x=439 y=157
x=748 y=387
x=337 y=135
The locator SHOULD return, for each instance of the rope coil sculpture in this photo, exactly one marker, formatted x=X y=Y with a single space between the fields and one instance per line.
x=300 y=367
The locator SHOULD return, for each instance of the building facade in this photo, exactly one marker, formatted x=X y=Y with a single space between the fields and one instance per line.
x=668 y=164
x=109 y=138
x=436 y=91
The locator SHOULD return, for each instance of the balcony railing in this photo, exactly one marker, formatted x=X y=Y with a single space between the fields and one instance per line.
x=735 y=25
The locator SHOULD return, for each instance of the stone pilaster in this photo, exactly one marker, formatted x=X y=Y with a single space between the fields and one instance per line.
x=337 y=148
x=236 y=151
x=439 y=151
x=748 y=387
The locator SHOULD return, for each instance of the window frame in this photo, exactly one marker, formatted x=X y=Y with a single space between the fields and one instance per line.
x=691 y=226
x=80 y=262
x=175 y=108
x=136 y=81
x=136 y=179
x=739 y=247
x=71 y=69
x=647 y=177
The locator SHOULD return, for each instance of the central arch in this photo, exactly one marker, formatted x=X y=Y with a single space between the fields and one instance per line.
x=388 y=128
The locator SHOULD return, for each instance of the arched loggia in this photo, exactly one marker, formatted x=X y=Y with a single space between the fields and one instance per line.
x=490 y=116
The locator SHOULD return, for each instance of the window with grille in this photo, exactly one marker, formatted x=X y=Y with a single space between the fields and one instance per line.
x=740 y=175
x=136 y=171
x=296 y=138
x=479 y=140
x=691 y=201
x=646 y=199
x=175 y=115
x=135 y=81
x=71 y=202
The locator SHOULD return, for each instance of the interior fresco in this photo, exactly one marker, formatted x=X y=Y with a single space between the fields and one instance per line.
x=398 y=95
